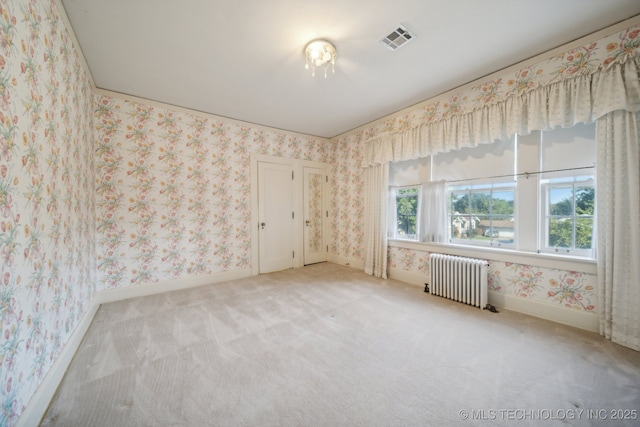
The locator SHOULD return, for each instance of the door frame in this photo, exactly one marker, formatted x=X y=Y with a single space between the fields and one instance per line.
x=325 y=217
x=298 y=208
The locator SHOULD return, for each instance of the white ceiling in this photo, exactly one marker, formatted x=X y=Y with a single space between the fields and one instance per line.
x=244 y=59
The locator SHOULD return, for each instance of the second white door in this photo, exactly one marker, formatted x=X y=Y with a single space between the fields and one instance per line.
x=315 y=215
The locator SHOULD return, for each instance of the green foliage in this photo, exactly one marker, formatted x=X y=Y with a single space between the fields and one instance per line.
x=585 y=200
x=561 y=228
x=406 y=211
x=481 y=203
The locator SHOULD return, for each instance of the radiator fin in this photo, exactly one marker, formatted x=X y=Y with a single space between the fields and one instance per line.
x=459 y=279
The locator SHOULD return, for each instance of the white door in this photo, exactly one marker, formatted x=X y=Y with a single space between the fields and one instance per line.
x=275 y=201
x=315 y=213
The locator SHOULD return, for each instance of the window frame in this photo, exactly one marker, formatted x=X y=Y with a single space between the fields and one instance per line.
x=573 y=182
x=394 y=223
x=490 y=187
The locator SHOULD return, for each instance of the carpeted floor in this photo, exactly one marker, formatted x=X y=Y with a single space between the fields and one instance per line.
x=327 y=345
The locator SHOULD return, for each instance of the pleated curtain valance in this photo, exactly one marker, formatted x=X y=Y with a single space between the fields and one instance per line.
x=578 y=86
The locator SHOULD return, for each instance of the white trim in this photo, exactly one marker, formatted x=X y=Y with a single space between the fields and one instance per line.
x=349 y=262
x=111 y=295
x=297 y=166
x=39 y=402
x=413 y=278
x=578 y=319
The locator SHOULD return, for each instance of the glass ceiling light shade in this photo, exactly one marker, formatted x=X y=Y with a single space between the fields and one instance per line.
x=320 y=54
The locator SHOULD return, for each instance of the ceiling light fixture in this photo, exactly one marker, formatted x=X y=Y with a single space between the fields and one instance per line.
x=320 y=54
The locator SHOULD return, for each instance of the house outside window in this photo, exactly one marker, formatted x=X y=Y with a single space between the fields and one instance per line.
x=482 y=214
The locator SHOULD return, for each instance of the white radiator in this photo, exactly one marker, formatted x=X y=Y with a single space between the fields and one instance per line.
x=460 y=279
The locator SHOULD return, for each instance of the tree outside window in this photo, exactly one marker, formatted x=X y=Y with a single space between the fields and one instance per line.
x=407 y=212
x=570 y=216
x=482 y=214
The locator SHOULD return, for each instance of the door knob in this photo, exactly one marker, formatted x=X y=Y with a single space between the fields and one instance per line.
x=307 y=222
x=262 y=224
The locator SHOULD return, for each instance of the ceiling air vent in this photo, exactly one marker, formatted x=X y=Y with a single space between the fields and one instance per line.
x=397 y=38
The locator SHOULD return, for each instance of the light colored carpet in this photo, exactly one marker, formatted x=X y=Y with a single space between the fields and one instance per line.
x=327 y=345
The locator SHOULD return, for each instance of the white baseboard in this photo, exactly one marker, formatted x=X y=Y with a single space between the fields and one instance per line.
x=39 y=402
x=349 y=262
x=111 y=295
x=578 y=319
x=413 y=278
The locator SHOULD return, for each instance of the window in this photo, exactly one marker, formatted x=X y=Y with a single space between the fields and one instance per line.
x=482 y=214
x=406 y=213
x=531 y=193
x=567 y=189
x=569 y=215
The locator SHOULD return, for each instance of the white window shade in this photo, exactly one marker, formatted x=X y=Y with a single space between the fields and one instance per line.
x=569 y=148
x=408 y=172
x=479 y=162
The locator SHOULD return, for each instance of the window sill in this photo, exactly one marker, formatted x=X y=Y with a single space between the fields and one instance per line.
x=547 y=260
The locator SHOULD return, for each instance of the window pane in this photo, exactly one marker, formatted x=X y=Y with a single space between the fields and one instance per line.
x=460 y=227
x=480 y=224
x=584 y=233
x=585 y=200
x=483 y=215
x=502 y=230
x=480 y=202
x=561 y=200
x=502 y=203
x=560 y=232
x=459 y=203
x=406 y=212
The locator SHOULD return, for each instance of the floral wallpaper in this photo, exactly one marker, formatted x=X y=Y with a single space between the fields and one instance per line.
x=97 y=192
x=568 y=289
x=47 y=211
x=173 y=190
x=347 y=202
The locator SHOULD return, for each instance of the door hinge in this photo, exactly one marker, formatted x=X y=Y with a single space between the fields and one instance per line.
x=292 y=175
x=293 y=215
x=293 y=254
x=326 y=178
x=327 y=214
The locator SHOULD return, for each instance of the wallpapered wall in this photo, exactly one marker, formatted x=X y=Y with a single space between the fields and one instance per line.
x=146 y=194
x=568 y=289
x=47 y=212
x=173 y=190
x=347 y=202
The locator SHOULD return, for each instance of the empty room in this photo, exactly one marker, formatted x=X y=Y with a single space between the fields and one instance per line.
x=325 y=213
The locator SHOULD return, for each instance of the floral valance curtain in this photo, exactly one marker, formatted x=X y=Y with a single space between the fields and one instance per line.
x=595 y=82
x=580 y=85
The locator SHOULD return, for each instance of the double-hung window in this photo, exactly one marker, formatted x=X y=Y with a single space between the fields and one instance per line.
x=405 y=212
x=567 y=190
x=569 y=208
x=482 y=214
